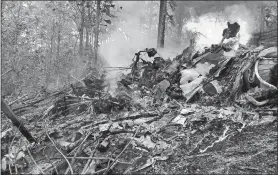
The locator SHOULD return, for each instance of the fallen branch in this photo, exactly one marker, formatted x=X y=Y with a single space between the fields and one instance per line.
x=16 y=122
x=17 y=99
x=79 y=147
x=100 y=171
x=113 y=163
x=55 y=168
x=117 y=67
x=37 y=101
x=26 y=100
x=78 y=80
x=160 y=115
x=85 y=169
x=50 y=166
x=81 y=158
x=96 y=158
x=34 y=161
x=71 y=170
x=6 y=72
x=132 y=117
x=46 y=156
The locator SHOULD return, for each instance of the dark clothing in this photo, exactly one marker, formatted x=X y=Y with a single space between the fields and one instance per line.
x=231 y=31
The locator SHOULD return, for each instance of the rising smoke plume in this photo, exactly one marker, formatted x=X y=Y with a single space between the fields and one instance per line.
x=210 y=26
x=120 y=50
x=128 y=37
x=125 y=40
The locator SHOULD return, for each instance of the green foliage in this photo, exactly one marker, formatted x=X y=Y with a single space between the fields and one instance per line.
x=39 y=42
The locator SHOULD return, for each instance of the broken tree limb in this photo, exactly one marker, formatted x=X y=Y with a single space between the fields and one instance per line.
x=130 y=117
x=37 y=101
x=78 y=80
x=38 y=167
x=6 y=72
x=9 y=113
x=17 y=99
x=114 y=162
x=117 y=67
x=70 y=167
x=85 y=169
x=29 y=104
x=79 y=148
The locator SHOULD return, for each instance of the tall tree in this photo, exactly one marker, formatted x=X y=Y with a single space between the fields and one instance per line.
x=179 y=15
x=97 y=32
x=161 y=24
x=88 y=25
x=81 y=32
x=59 y=37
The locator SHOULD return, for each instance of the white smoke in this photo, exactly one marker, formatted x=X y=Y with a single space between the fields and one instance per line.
x=210 y=26
x=127 y=39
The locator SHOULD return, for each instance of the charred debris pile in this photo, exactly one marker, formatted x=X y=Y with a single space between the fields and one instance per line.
x=208 y=77
x=193 y=105
x=223 y=74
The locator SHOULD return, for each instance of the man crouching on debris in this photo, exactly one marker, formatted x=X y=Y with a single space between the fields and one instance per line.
x=230 y=32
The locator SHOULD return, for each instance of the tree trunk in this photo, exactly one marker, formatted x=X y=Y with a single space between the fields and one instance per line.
x=88 y=25
x=17 y=23
x=97 y=33
x=262 y=18
x=81 y=32
x=161 y=24
x=74 y=49
x=52 y=37
x=49 y=61
x=92 y=42
x=179 y=23
x=58 y=39
x=9 y=113
x=87 y=38
x=87 y=28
